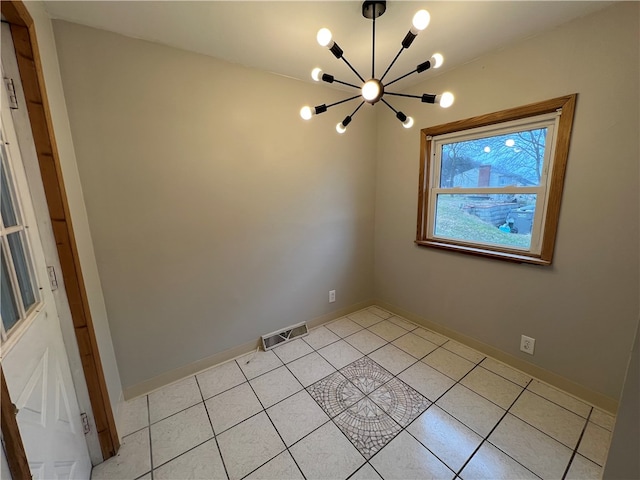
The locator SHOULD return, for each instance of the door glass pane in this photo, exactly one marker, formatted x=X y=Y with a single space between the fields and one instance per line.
x=9 y=309
x=514 y=159
x=6 y=202
x=504 y=220
x=16 y=246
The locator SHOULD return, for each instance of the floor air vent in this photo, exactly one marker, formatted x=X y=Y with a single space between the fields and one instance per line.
x=279 y=337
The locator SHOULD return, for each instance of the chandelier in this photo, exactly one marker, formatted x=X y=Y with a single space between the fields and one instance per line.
x=373 y=90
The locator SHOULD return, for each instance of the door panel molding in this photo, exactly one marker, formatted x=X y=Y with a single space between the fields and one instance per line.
x=26 y=47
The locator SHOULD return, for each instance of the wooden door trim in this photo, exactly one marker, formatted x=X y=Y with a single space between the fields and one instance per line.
x=16 y=458
x=26 y=46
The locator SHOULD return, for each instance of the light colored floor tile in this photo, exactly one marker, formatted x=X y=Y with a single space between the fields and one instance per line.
x=132 y=460
x=552 y=419
x=595 y=443
x=180 y=432
x=392 y=359
x=414 y=345
x=231 y=407
x=451 y=441
x=134 y=415
x=405 y=458
x=320 y=337
x=326 y=454
x=275 y=385
x=218 y=379
x=426 y=380
x=491 y=463
x=379 y=312
x=433 y=337
x=499 y=390
x=144 y=477
x=173 y=398
x=297 y=416
x=292 y=350
x=364 y=318
x=603 y=419
x=449 y=363
x=340 y=354
x=538 y=452
x=561 y=398
x=365 y=341
x=201 y=463
x=366 y=472
x=583 y=469
x=504 y=371
x=256 y=436
x=310 y=368
x=343 y=327
x=387 y=330
x=464 y=351
x=280 y=468
x=476 y=412
x=401 y=322
x=259 y=363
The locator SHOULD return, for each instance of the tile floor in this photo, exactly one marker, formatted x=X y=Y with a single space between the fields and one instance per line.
x=368 y=396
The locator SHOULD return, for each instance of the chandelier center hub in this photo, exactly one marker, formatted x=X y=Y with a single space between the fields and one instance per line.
x=372 y=90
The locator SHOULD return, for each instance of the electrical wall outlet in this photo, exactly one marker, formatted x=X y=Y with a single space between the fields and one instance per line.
x=527 y=344
x=332 y=296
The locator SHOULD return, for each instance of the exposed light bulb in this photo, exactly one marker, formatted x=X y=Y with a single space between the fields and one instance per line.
x=510 y=142
x=371 y=90
x=316 y=74
x=445 y=100
x=420 y=21
x=306 y=113
x=408 y=123
x=486 y=149
x=341 y=128
x=437 y=60
x=324 y=37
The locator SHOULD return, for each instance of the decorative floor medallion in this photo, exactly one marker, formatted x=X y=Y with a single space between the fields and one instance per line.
x=368 y=404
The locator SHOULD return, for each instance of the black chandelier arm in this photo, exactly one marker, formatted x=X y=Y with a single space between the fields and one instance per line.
x=419 y=69
x=391 y=64
x=373 y=47
x=331 y=79
x=388 y=105
x=356 y=110
x=403 y=95
x=351 y=67
x=342 y=101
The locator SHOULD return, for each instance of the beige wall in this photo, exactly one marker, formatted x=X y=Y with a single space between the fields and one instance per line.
x=217 y=214
x=53 y=83
x=583 y=310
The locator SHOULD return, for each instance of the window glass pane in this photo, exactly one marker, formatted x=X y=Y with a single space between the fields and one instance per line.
x=504 y=220
x=6 y=203
x=9 y=309
x=16 y=245
x=514 y=159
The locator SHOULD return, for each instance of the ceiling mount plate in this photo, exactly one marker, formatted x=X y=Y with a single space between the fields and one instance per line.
x=373 y=8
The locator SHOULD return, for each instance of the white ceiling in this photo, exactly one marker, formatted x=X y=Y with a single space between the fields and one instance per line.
x=279 y=37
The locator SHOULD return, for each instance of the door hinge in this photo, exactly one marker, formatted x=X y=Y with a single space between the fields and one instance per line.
x=11 y=90
x=85 y=423
x=53 y=281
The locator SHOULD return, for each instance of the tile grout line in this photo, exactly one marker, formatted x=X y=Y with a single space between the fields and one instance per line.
x=213 y=432
x=486 y=439
x=150 y=443
x=575 y=450
x=286 y=448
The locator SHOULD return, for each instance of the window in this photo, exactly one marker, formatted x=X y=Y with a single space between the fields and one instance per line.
x=18 y=289
x=491 y=185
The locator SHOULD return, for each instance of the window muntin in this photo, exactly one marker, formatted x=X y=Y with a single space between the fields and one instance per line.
x=18 y=286
x=491 y=185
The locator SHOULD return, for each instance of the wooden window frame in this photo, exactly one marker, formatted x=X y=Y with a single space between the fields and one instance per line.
x=555 y=182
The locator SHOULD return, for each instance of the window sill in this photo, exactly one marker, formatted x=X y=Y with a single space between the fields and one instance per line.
x=485 y=252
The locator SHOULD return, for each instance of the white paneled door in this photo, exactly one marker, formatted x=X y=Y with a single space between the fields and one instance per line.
x=33 y=354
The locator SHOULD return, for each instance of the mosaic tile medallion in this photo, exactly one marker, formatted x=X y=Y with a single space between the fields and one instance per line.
x=400 y=401
x=367 y=426
x=372 y=414
x=334 y=393
x=366 y=374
